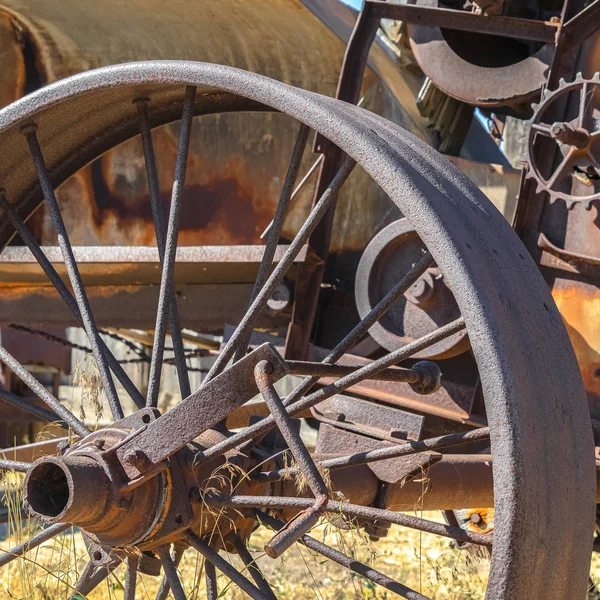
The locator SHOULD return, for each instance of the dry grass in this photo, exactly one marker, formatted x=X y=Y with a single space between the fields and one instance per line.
x=424 y=562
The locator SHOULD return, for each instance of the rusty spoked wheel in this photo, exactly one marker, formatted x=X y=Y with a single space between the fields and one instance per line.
x=137 y=488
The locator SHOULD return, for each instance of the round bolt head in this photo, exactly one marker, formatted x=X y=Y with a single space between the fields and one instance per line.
x=431 y=377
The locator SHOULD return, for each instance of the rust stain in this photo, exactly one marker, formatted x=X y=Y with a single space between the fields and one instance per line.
x=224 y=202
x=579 y=306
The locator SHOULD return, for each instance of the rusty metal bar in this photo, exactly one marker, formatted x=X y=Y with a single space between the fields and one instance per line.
x=345 y=561
x=65 y=294
x=220 y=563
x=171 y=572
x=37 y=388
x=89 y=324
x=165 y=588
x=276 y=276
x=96 y=577
x=407 y=449
x=253 y=568
x=146 y=451
x=32 y=409
x=159 y=228
x=297 y=190
x=512 y=27
x=578 y=28
x=337 y=387
x=34 y=542
x=212 y=589
x=305 y=521
x=352 y=511
x=275 y=228
x=321 y=369
x=166 y=280
x=131 y=577
x=14 y=465
x=84 y=580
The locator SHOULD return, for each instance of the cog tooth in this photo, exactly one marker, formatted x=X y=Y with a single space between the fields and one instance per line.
x=535 y=105
x=588 y=205
x=596 y=77
x=562 y=82
x=546 y=93
x=579 y=76
x=569 y=204
x=540 y=187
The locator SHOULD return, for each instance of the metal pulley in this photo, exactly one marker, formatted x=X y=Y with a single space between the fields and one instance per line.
x=428 y=303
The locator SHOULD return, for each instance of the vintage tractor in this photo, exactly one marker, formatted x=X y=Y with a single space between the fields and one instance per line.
x=324 y=258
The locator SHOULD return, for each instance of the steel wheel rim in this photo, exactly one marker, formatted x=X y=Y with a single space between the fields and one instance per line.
x=527 y=408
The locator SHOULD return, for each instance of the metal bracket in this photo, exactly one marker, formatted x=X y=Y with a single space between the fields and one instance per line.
x=198 y=412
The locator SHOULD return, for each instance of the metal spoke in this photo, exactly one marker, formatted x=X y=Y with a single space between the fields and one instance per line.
x=247 y=323
x=542 y=128
x=92 y=577
x=165 y=588
x=305 y=521
x=349 y=563
x=32 y=409
x=275 y=228
x=322 y=369
x=352 y=511
x=37 y=388
x=407 y=449
x=337 y=387
x=159 y=228
x=34 y=542
x=585 y=107
x=131 y=577
x=220 y=563
x=314 y=166
x=65 y=294
x=253 y=568
x=212 y=589
x=171 y=573
x=14 y=465
x=89 y=323
x=84 y=579
x=560 y=170
x=168 y=267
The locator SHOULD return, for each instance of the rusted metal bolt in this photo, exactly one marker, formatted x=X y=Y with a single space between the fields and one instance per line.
x=280 y=300
x=135 y=458
x=566 y=133
x=422 y=292
x=430 y=377
x=99 y=444
x=476 y=518
x=264 y=367
x=334 y=416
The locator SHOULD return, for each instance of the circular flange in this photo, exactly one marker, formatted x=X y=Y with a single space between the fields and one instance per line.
x=427 y=305
x=466 y=65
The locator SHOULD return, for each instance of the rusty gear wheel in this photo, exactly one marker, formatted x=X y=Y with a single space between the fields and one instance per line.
x=577 y=176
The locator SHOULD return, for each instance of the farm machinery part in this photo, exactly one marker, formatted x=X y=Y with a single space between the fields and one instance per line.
x=154 y=469
x=460 y=339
